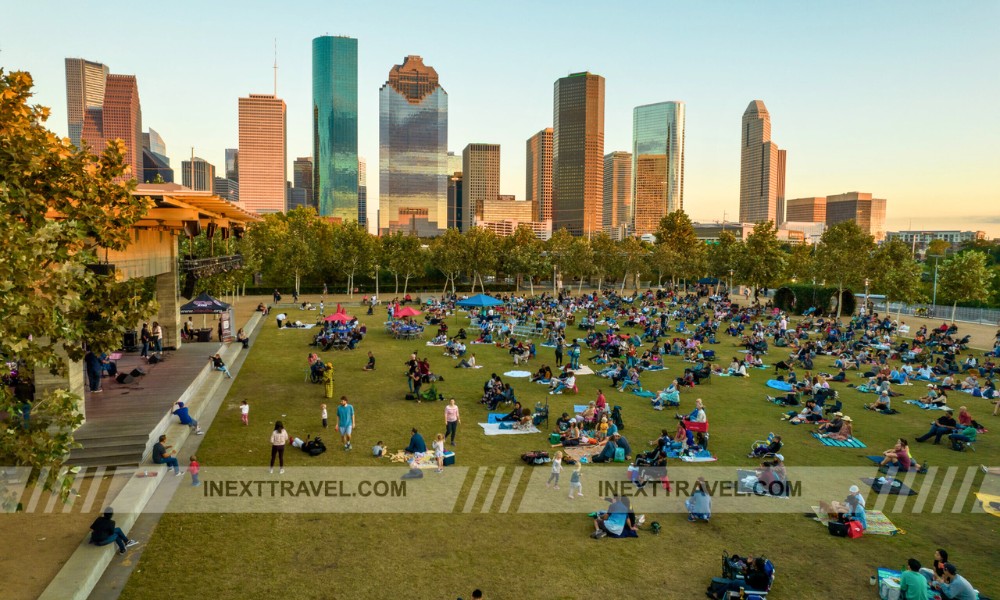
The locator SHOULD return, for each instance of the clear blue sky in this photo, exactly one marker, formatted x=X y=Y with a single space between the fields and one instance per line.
x=901 y=99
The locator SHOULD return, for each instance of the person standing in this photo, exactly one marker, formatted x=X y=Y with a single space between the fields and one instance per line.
x=245 y=412
x=345 y=421
x=219 y=329
x=559 y=352
x=575 y=484
x=279 y=439
x=193 y=468
x=323 y=415
x=157 y=337
x=439 y=452
x=92 y=363
x=145 y=337
x=451 y=420
x=556 y=470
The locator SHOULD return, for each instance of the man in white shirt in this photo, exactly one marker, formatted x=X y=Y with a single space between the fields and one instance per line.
x=281 y=319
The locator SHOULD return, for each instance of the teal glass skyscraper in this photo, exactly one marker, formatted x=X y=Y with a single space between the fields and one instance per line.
x=335 y=127
x=657 y=163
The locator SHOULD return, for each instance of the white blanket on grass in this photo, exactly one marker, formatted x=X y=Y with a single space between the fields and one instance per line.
x=494 y=429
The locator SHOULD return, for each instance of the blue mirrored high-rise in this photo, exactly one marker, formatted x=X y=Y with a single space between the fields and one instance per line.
x=657 y=163
x=413 y=151
x=335 y=127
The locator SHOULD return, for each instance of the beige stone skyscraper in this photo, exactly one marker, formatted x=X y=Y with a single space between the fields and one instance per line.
x=538 y=171
x=263 y=153
x=617 y=205
x=578 y=154
x=480 y=180
x=762 y=169
x=806 y=210
x=84 y=92
x=867 y=212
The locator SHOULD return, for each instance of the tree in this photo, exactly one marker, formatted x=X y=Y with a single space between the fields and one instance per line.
x=965 y=277
x=353 y=249
x=521 y=254
x=481 y=246
x=844 y=256
x=801 y=262
x=633 y=257
x=391 y=245
x=686 y=252
x=762 y=262
x=580 y=260
x=410 y=259
x=448 y=256
x=290 y=243
x=60 y=206
x=606 y=257
x=895 y=274
x=722 y=258
x=558 y=249
x=938 y=247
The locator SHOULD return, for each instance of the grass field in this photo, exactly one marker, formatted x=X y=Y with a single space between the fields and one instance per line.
x=547 y=555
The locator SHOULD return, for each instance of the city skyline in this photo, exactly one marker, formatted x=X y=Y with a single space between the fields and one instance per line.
x=873 y=144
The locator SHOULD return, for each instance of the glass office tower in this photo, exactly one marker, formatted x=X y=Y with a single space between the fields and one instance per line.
x=657 y=163
x=413 y=151
x=335 y=127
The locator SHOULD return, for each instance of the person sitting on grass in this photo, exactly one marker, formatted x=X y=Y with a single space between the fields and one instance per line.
x=543 y=374
x=953 y=586
x=607 y=453
x=699 y=505
x=883 y=403
x=912 y=584
x=513 y=415
x=668 y=396
x=104 y=532
x=755 y=578
x=844 y=433
x=615 y=522
x=833 y=426
x=562 y=423
x=571 y=437
x=467 y=363
x=944 y=425
x=565 y=381
x=810 y=414
x=899 y=457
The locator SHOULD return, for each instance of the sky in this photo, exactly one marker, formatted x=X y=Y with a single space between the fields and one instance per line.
x=899 y=99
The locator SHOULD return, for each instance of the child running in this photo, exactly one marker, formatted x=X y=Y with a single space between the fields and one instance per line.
x=245 y=412
x=556 y=470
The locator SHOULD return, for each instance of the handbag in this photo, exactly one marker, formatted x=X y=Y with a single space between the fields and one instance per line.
x=837 y=528
x=854 y=529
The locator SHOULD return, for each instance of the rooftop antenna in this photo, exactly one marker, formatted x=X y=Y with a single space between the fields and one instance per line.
x=275 y=67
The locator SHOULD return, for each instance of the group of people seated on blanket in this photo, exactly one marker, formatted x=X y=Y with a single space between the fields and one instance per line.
x=898 y=457
x=851 y=509
x=743 y=575
x=920 y=583
x=683 y=440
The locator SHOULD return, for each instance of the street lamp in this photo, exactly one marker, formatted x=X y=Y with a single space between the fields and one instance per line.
x=866 y=294
x=730 y=281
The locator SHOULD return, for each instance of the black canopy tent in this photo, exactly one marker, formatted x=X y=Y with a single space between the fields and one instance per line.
x=207 y=305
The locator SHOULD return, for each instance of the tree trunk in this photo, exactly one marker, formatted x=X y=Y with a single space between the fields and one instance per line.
x=517 y=283
x=954 y=307
x=396 y=292
x=840 y=301
x=376 y=281
x=474 y=275
x=447 y=278
x=406 y=283
x=297 y=279
x=579 y=289
x=531 y=284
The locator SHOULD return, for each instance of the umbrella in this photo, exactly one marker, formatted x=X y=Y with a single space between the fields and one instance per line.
x=479 y=300
x=339 y=317
x=407 y=311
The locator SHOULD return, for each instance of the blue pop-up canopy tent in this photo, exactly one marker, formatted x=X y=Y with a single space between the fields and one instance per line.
x=479 y=301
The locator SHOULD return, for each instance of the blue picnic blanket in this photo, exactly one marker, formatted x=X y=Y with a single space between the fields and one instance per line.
x=579 y=408
x=645 y=394
x=784 y=386
x=851 y=443
x=655 y=368
x=923 y=405
x=496 y=417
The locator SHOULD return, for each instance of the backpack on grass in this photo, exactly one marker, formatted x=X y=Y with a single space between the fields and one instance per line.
x=536 y=457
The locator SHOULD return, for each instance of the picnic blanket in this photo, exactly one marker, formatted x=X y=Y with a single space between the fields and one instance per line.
x=851 y=443
x=438 y=344
x=580 y=452
x=878 y=523
x=784 y=386
x=494 y=429
x=991 y=503
x=883 y=486
x=748 y=483
x=923 y=405
x=700 y=458
x=517 y=374
x=583 y=370
x=308 y=326
x=496 y=417
x=655 y=368
x=645 y=394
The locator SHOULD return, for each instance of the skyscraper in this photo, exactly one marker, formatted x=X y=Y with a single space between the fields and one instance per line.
x=232 y=164
x=85 y=82
x=335 y=126
x=262 y=153
x=363 y=193
x=303 y=177
x=806 y=210
x=617 y=203
x=657 y=163
x=155 y=162
x=480 y=180
x=762 y=169
x=227 y=188
x=198 y=174
x=538 y=171
x=456 y=213
x=578 y=154
x=867 y=212
x=413 y=147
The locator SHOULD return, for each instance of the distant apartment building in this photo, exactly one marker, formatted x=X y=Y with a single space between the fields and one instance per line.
x=538 y=174
x=860 y=207
x=921 y=239
x=263 y=169
x=541 y=229
x=506 y=208
x=198 y=174
x=617 y=205
x=480 y=180
x=807 y=210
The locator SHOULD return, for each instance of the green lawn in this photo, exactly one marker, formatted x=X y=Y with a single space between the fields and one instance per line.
x=517 y=555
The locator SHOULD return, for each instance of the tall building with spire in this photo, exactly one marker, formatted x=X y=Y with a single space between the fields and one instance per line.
x=762 y=169
x=85 y=82
x=538 y=174
x=657 y=163
x=263 y=169
x=335 y=126
x=413 y=150
x=578 y=154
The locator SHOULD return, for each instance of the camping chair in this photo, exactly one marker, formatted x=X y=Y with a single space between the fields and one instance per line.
x=541 y=414
x=763 y=444
x=731 y=570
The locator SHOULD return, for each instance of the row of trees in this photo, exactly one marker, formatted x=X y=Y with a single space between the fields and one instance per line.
x=288 y=249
